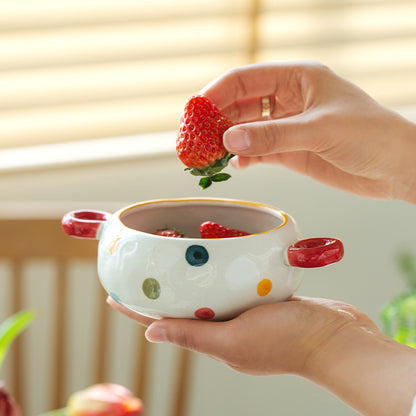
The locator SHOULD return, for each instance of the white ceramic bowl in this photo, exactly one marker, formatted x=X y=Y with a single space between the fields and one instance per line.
x=193 y=277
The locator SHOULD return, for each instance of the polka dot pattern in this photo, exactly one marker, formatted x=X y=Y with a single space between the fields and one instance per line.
x=151 y=288
x=114 y=245
x=204 y=313
x=196 y=255
x=264 y=287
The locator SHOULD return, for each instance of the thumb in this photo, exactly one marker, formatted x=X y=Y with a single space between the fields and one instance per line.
x=267 y=137
x=203 y=336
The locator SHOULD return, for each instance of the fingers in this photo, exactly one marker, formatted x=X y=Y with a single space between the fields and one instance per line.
x=241 y=83
x=206 y=337
x=141 y=319
x=239 y=94
x=249 y=110
x=242 y=162
x=314 y=166
x=256 y=80
x=202 y=336
x=275 y=136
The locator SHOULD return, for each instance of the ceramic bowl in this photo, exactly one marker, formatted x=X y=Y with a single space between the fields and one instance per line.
x=193 y=277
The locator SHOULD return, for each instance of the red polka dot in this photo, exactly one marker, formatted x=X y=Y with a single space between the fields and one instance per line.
x=204 y=313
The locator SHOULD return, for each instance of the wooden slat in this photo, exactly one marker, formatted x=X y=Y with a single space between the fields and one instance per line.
x=41 y=238
x=143 y=365
x=102 y=357
x=17 y=350
x=60 y=342
x=22 y=239
x=179 y=407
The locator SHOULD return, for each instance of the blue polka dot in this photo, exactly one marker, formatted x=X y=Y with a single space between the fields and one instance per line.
x=115 y=297
x=196 y=255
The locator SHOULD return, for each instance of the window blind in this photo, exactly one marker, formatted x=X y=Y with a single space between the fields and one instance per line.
x=370 y=42
x=83 y=69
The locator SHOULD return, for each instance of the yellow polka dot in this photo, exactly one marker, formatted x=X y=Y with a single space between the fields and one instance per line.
x=113 y=246
x=264 y=287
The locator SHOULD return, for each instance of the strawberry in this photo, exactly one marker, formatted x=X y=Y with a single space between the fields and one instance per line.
x=211 y=229
x=169 y=233
x=199 y=144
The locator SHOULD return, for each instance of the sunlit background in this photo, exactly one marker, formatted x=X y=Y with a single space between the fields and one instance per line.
x=90 y=96
x=77 y=69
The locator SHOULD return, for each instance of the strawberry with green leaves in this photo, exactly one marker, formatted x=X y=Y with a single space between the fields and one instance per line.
x=199 y=144
x=210 y=229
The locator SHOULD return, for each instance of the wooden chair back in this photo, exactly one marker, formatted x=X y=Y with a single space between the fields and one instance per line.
x=24 y=239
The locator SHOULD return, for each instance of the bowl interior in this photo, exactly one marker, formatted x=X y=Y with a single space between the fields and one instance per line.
x=187 y=215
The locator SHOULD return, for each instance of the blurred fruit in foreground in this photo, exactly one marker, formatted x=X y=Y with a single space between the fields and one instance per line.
x=9 y=330
x=399 y=315
x=104 y=400
x=399 y=319
x=8 y=407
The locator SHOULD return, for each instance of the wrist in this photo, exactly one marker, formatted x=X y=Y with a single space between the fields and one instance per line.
x=367 y=370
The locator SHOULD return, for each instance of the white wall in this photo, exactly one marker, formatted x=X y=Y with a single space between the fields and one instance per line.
x=372 y=232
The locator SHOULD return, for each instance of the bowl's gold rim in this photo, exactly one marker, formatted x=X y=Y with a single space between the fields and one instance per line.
x=281 y=213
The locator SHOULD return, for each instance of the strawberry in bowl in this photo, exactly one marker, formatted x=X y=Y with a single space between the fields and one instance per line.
x=210 y=229
x=168 y=232
x=199 y=144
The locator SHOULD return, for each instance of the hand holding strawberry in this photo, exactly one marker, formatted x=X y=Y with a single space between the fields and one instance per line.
x=199 y=144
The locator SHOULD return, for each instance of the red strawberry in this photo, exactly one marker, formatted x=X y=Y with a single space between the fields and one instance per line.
x=211 y=229
x=169 y=233
x=199 y=144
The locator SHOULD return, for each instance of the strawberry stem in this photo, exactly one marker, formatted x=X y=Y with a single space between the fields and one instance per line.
x=220 y=177
x=211 y=173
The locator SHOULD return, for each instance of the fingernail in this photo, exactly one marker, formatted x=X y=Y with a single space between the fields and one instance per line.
x=234 y=161
x=236 y=140
x=155 y=334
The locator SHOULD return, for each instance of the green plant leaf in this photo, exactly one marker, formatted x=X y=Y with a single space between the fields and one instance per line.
x=407 y=266
x=11 y=328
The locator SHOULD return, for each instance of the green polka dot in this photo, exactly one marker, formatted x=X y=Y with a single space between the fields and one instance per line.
x=151 y=288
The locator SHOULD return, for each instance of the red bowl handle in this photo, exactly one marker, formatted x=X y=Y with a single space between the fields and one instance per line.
x=315 y=252
x=84 y=223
